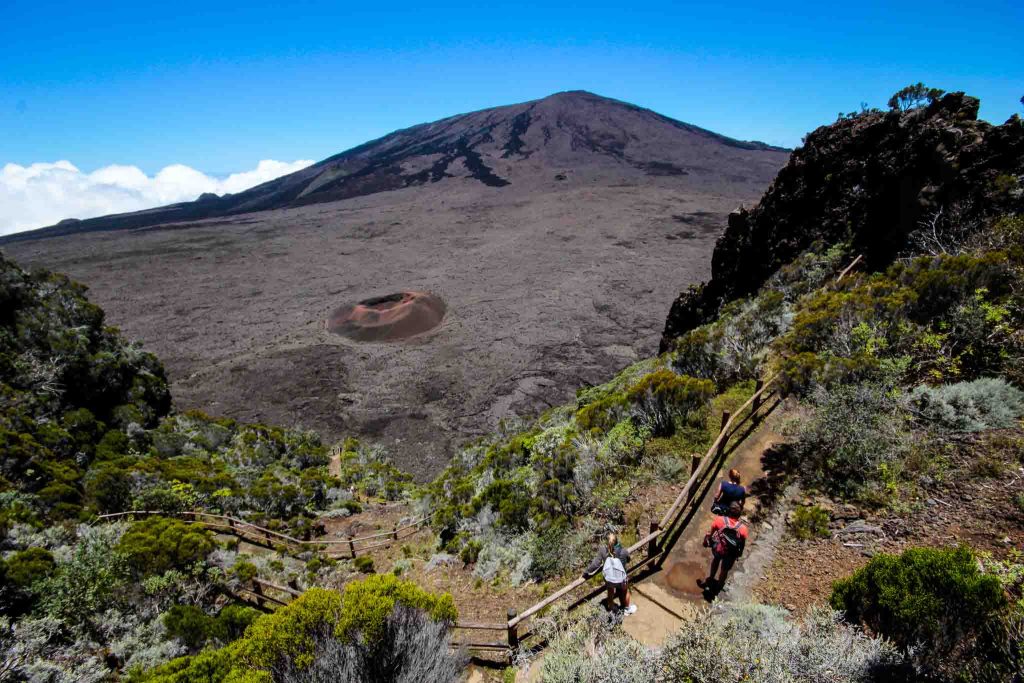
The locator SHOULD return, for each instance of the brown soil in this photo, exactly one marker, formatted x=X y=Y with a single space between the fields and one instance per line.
x=966 y=506
x=688 y=560
x=388 y=318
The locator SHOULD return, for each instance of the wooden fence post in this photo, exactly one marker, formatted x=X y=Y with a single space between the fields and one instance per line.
x=257 y=588
x=394 y=531
x=652 y=546
x=694 y=463
x=352 y=547
x=757 y=396
x=513 y=634
x=721 y=443
x=293 y=583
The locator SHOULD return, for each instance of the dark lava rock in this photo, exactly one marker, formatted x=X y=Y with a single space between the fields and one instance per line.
x=869 y=179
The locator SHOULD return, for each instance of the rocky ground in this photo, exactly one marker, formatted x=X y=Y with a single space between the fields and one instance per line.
x=543 y=296
x=974 y=503
x=553 y=233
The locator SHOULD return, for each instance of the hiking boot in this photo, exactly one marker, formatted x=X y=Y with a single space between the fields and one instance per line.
x=630 y=610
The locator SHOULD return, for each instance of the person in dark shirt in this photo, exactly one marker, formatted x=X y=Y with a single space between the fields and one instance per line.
x=729 y=492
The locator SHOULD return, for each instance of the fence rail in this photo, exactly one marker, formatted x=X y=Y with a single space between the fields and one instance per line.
x=252 y=532
x=675 y=513
x=674 y=517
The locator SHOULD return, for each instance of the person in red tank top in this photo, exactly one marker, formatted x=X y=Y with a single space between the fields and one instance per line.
x=727 y=539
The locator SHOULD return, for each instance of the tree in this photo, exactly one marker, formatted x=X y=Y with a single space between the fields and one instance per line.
x=913 y=96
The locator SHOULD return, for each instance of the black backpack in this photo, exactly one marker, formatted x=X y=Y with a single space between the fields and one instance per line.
x=727 y=542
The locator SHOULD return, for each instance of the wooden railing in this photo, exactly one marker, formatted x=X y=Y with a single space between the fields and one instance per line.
x=261 y=535
x=675 y=517
x=675 y=513
x=674 y=520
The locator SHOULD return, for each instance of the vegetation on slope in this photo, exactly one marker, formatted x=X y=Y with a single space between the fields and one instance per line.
x=917 y=355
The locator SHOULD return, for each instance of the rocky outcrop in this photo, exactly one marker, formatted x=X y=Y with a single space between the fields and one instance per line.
x=869 y=179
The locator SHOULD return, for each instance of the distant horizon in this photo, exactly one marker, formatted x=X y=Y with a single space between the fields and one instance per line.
x=123 y=188
x=213 y=90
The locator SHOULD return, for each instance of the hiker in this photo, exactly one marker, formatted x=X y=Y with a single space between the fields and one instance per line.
x=612 y=559
x=726 y=539
x=728 y=493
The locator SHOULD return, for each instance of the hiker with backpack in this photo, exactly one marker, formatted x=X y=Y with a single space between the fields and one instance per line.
x=727 y=538
x=729 y=492
x=612 y=559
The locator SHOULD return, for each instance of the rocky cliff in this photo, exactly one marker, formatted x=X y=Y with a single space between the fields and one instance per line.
x=870 y=179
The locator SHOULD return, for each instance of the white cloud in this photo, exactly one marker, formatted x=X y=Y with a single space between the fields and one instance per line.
x=44 y=193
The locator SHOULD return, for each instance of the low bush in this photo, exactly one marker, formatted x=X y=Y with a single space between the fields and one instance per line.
x=92 y=579
x=363 y=564
x=664 y=400
x=585 y=647
x=25 y=567
x=759 y=644
x=987 y=403
x=936 y=601
x=195 y=628
x=809 y=521
x=380 y=630
x=854 y=438
x=192 y=626
x=158 y=544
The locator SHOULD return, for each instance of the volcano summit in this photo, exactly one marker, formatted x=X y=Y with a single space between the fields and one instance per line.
x=553 y=235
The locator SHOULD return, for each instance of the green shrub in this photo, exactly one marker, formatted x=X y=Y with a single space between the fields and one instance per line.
x=235 y=619
x=855 y=437
x=987 y=403
x=91 y=580
x=470 y=552
x=158 y=544
x=810 y=521
x=601 y=414
x=244 y=571
x=364 y=564
x=192 y=626
x=380 y=630
x=663 y=400
x=926 y=318
x=25 y=567
x=938 y=598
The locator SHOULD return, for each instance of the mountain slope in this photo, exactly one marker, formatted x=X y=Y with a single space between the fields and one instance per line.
x=871 y=180
x=497 y=147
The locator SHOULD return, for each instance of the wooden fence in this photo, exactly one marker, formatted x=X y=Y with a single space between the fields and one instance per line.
x=678 y=514
x=672 y=522
x=349 y=546
x=671 y=525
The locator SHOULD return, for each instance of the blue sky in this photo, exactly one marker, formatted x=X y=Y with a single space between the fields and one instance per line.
x=218 y=86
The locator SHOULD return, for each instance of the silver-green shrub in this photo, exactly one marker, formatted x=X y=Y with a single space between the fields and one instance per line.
x=586 y=647
x=757 y=643
x=986 y=403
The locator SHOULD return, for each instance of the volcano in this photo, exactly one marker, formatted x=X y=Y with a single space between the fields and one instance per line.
x=572 y=132
x=420 y=288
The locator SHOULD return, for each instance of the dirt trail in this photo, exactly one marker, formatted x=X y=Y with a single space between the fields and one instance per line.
x=672 y=594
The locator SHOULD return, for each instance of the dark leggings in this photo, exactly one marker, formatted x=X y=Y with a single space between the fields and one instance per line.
x=726 y=562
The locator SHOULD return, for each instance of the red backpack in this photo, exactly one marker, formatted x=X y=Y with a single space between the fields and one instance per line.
x=727 y=542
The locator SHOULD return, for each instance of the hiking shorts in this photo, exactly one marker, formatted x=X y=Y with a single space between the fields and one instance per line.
x=618 y=590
